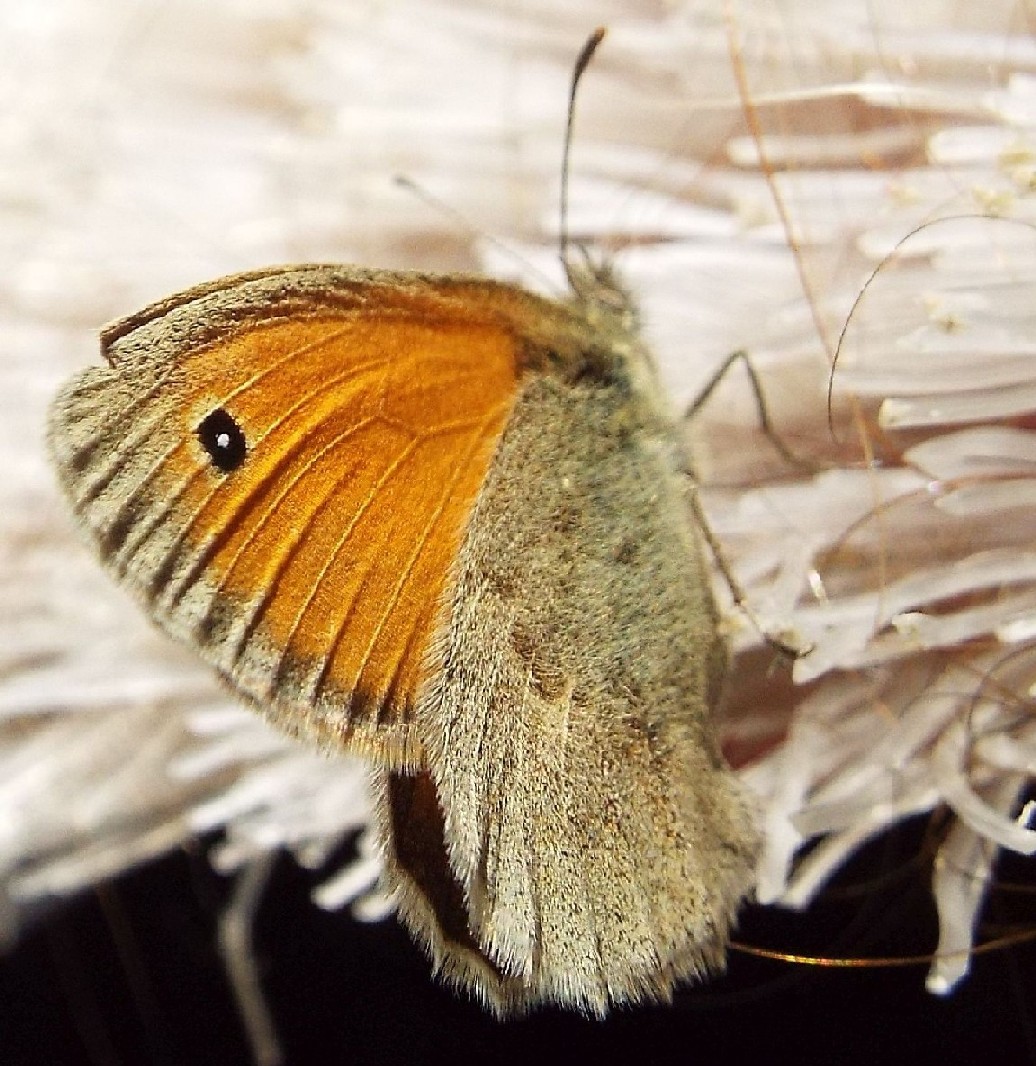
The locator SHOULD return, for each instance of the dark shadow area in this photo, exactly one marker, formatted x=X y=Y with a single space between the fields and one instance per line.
x=131 y=975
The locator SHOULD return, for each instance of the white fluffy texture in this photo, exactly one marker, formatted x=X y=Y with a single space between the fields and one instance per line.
x=149 y=147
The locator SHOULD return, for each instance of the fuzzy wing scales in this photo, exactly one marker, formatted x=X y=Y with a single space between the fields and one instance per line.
x=600 y=844
x=357 y=414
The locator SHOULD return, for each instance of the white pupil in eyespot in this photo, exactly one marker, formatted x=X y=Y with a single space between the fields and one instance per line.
x=222 y=440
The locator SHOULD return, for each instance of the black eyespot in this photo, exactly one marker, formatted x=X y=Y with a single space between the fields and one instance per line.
x=222 y=438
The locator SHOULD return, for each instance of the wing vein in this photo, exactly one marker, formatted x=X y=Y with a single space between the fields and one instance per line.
x=478 y=439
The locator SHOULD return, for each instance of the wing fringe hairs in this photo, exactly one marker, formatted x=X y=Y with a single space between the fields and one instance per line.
x=878 y=738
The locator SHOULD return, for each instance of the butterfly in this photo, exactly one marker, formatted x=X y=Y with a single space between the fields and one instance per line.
x=447 y=524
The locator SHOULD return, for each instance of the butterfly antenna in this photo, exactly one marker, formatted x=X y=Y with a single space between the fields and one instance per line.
x=582 y=62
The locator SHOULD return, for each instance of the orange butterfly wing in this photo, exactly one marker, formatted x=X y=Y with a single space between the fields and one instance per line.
x=283 y=466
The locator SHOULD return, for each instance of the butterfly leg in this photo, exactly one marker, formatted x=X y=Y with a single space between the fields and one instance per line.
x=741 y=356
x=785 y=642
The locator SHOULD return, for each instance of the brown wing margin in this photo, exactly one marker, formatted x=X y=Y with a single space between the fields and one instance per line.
x=312 y=575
